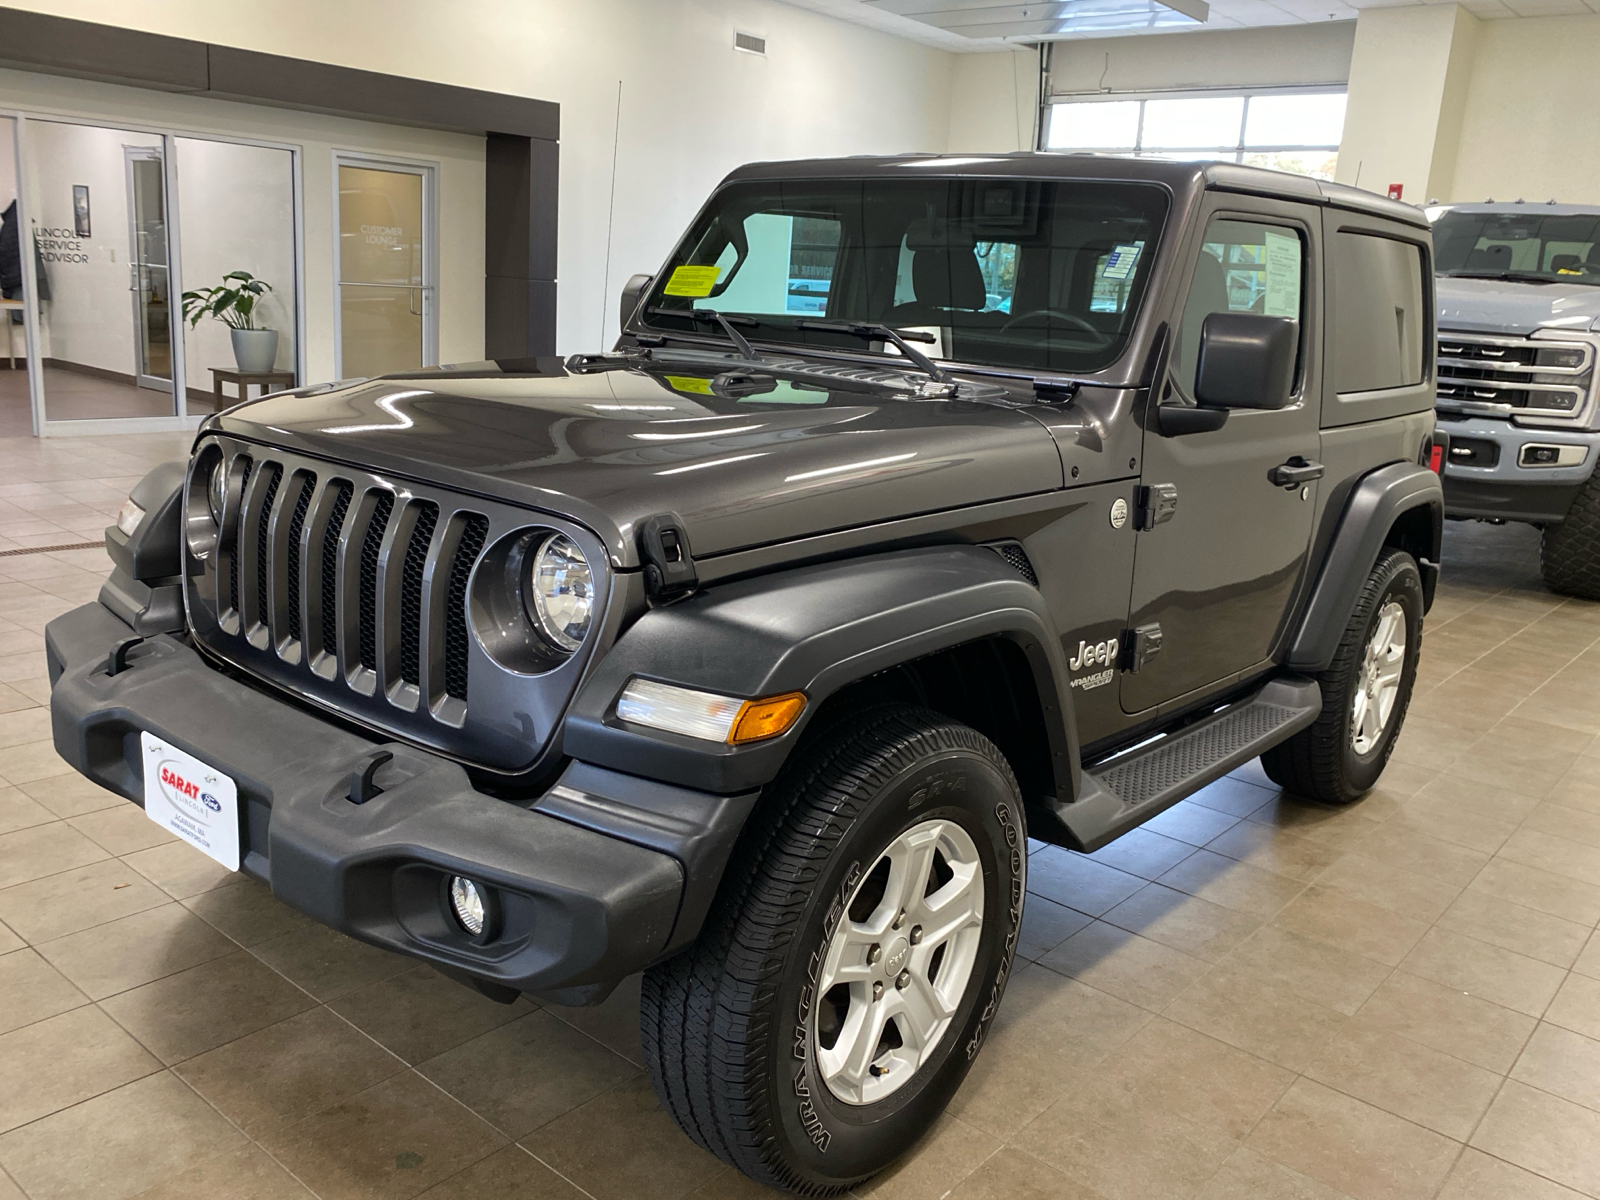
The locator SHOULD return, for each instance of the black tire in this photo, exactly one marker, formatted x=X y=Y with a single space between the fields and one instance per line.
x=1569 y=553
x=1321 y=762
x=728 y=1028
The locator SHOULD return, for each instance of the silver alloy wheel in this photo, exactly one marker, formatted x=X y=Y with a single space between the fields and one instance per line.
x=891 y=981
x=1378 y=684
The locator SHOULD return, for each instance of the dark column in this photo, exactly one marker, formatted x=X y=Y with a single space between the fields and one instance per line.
x=519 y=250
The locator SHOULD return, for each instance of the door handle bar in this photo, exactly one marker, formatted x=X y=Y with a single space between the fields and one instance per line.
x=1295 y=472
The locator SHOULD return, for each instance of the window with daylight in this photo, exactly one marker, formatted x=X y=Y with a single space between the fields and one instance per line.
x=1295 y=131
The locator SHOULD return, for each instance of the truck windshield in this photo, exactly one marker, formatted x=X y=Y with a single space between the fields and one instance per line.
x=1531 y=246
x=1000 y=272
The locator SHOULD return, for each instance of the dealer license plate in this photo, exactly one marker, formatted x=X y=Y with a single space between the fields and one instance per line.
x=192 y=800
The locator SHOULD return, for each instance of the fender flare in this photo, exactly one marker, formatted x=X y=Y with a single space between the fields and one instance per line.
x=814 y=629
x=1377 y=500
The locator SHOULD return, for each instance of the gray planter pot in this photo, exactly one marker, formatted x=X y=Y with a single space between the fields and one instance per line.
x=254 y=350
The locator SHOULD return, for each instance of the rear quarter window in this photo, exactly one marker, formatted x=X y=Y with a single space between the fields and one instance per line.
x=1380 y=323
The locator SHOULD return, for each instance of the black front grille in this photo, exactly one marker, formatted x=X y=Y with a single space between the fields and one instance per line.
x=233 y=559
x=371 y=546
x=1490 y=375
x=297 y=524
x=330 y=568
x=263 y=525
x=332 y=576
x=411 y=592
x=474 y=533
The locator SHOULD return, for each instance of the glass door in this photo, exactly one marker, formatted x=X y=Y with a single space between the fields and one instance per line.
x=149 y=276
x=385 y=268
x=97 y=207
x=236 y=206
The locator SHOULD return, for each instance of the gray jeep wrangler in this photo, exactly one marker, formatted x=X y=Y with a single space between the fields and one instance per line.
x=1519 y=329
x=925 y=506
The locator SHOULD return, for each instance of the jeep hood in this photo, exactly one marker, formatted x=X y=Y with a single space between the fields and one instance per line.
x=1506 y=306
x=614 y=447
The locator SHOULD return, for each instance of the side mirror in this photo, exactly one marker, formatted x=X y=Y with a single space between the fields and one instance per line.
x=1246 y=361
x=632 y=294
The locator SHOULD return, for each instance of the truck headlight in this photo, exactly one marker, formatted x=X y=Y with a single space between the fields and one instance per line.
x=217 y=489
x=561 y=592
x=129 y=516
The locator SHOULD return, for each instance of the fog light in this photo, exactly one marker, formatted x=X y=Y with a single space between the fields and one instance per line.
x=467 y=901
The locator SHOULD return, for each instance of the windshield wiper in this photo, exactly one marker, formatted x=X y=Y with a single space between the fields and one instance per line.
x=884 y=333
x=745 y=349
x=1504 y=276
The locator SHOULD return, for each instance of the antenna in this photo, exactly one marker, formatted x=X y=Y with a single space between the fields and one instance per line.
x=611 y=217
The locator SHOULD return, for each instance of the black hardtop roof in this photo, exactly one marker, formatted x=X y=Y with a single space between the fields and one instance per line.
x=1179 y=177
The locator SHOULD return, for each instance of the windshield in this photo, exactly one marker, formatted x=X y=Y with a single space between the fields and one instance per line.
x=1531 y=245
x=1001 y=272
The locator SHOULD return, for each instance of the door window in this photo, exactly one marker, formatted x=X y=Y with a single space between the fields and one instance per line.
x=1244 y=267
x=1379 y=320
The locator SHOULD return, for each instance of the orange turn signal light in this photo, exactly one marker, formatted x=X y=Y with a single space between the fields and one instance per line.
x=762 y=719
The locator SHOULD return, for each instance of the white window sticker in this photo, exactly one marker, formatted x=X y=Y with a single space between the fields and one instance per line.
x=1121 y=261
x=1282 y=275
x=188 y=798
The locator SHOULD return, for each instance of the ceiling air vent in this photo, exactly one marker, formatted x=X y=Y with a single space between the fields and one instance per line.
x=749 y=43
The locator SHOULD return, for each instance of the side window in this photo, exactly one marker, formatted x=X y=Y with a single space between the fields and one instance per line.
x=788 y=268
x=1379 y=320
x=1244 y=267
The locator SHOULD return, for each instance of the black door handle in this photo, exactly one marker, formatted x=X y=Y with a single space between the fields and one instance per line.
x=1295 y=472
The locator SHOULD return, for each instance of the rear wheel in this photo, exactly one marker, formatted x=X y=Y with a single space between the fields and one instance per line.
x=855 y=957
x=1569 y=553
x=1365 y=692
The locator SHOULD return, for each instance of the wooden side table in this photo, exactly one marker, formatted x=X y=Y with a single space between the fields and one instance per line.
x=243 y=379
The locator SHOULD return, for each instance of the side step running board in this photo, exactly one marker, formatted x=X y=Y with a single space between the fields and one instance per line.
x=1127 y=790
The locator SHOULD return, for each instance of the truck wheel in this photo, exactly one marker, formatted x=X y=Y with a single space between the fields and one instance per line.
x=854 y=958
x=1365 y=692
x=1569 y=553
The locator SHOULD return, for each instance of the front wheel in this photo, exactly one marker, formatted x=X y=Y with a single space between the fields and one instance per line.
x=1569 y=553
x=1365 y=692
x=854 y=959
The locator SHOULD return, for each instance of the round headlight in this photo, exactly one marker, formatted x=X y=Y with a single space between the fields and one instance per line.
x=561 y=588
x=217 y=489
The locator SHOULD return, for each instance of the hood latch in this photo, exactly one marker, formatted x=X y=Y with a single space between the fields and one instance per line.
x=669 y=572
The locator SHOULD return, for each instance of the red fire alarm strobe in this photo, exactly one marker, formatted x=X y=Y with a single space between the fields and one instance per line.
x=1395 y=189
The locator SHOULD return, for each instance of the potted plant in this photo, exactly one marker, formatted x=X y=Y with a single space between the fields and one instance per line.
x=233 y=302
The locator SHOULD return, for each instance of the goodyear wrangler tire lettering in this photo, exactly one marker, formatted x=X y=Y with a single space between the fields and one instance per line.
x=738 y=1028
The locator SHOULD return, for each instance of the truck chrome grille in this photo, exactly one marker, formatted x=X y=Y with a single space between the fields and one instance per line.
x=1503 y=377
x=353 y=591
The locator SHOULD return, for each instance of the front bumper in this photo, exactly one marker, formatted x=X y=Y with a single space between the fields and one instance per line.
x=597 y=878
x=1509 y=490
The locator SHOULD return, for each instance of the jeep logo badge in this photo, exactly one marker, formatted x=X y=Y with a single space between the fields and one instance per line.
x=1119 y=513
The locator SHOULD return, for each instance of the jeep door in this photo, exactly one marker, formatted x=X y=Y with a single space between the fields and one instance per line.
x=1218 y=575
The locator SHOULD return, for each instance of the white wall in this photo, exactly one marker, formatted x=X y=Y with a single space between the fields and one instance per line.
x=994 y=101
x=1279 y=56
x=458 y=158
x=692 y=108
x=1530 y=120
x=1407 y=77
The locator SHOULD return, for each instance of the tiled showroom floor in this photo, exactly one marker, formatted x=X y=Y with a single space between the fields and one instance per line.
x=1250 y=997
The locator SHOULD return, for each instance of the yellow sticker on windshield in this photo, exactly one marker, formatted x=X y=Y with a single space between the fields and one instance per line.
x=690 y=383
x=692 y=281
